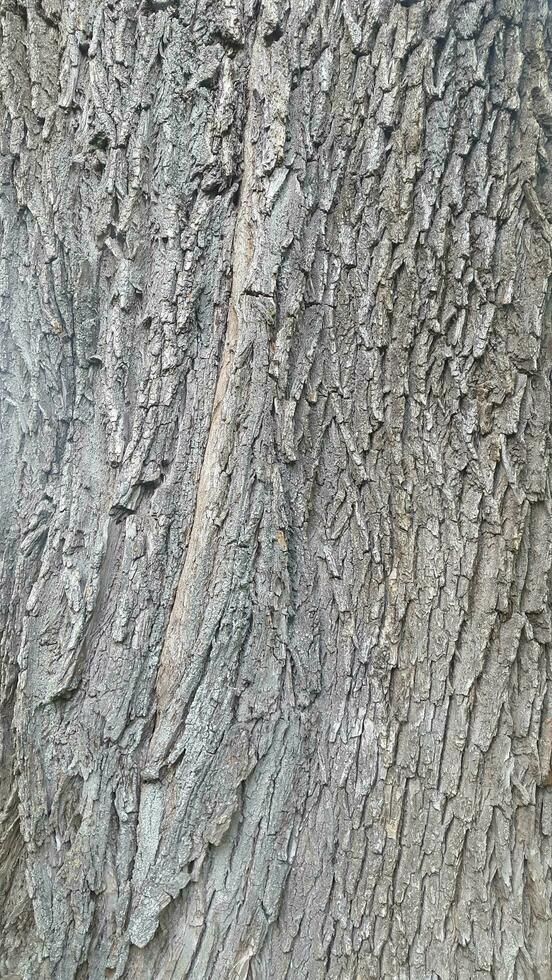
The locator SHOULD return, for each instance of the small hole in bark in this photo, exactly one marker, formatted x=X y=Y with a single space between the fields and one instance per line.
x=99 y=140
x=236 y=194
x=274 y=34
x=152 y=6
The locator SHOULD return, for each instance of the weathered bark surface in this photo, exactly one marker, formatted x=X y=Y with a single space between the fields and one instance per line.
x=275 y=489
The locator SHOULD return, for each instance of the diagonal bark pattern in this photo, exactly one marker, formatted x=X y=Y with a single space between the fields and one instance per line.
x=275 y=500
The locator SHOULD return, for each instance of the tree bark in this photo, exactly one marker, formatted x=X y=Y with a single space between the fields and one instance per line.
x=275 y=287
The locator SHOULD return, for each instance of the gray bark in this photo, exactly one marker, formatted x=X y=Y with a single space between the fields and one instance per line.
x=275 y=287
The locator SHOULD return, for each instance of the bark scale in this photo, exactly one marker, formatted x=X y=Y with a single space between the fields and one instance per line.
x=275 y=491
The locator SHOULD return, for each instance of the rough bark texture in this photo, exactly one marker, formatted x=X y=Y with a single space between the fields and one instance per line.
x=275 y=282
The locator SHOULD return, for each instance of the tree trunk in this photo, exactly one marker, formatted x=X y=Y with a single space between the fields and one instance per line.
x=275 y=281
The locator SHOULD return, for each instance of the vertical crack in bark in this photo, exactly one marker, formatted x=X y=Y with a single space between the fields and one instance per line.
x=210 y=487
